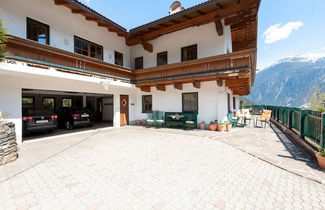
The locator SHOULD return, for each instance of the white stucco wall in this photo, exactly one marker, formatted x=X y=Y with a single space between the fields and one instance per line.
x=205 y=36
x=15 y=77
x=212 y=101
x=63 y=26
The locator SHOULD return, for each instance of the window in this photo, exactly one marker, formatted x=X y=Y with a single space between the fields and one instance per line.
x=67 y=102
x=190 y=102
x=118 y=58
x=38 y=31
x=27 y=101
x=84 y=47
x=234 y=103
x=189 y=53
x=162 y=58
x=139 y=63
x=146 y=104
x=49 y=103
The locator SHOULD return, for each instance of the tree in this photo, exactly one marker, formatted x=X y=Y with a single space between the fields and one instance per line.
x=3 y=38
x=316 y=100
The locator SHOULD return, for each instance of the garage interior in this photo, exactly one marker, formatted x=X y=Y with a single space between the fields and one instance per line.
x=100 y=105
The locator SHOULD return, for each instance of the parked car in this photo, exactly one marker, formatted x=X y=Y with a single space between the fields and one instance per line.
x=39 y=119
x=69 y=117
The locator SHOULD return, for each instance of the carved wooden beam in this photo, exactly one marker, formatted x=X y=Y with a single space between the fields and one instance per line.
x=196 y=84
x=219 y=82
x=219 y=26
x=60 y=2
x=91 y=18
x=76 y=11
x=145 y=88
x=178 y=85
x=148 y=47
x=161 y=87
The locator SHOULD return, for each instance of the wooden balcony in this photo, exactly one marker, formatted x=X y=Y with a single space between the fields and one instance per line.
x=45 y=56
x=236 y=69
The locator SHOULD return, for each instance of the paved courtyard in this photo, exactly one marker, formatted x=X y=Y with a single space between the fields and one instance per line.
x=138 y=168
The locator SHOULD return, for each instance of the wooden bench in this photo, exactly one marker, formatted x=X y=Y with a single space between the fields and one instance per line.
x=182 y=119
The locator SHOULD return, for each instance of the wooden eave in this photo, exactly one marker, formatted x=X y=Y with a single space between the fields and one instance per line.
x=232 y=11
x=77 y=7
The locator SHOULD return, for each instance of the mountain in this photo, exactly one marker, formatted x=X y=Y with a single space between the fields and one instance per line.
x=290 y=81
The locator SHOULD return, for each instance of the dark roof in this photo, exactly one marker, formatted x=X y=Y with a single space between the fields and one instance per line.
x=176 y=15
x=89 y=10
x=95 y=13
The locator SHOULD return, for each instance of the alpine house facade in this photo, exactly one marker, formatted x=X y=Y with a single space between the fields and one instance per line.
x=199 y=59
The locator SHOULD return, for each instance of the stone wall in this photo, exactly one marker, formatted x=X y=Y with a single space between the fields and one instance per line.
x=8 y=144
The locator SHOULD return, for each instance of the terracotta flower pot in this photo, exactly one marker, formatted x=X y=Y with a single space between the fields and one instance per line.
x=138 y=122
x=320 y=160
x=144 y=122
x=221 y=128
x=213 y=126
x=228 y=127
x=202 y=126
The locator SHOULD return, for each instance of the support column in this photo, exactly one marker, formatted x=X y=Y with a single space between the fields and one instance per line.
x=222 y=104
x=10 y=95
x=117 y=116
x=84 y=101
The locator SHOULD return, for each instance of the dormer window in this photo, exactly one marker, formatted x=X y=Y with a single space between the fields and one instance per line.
x=38 y=31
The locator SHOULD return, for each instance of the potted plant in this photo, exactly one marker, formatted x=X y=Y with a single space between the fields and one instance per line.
x=202 y=125
x=222 y=127
x=321 y=159
x=138 y=122
x=213 y=126
x=228 y=126
x=144 y=122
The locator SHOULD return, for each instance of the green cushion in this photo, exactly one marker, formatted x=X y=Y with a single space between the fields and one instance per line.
x=160 y=121
x=189 y=122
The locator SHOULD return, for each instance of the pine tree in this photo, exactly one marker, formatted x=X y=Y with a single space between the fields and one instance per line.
x=3 y=37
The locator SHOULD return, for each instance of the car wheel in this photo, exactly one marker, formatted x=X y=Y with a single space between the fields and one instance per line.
x=68 y=125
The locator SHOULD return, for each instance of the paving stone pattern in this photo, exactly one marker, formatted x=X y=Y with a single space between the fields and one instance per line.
x=138 y=168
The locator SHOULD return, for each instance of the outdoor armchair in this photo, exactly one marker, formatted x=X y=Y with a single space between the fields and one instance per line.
x=160 y=119
x=150 y=119
x=231 y=119
x=264 y=118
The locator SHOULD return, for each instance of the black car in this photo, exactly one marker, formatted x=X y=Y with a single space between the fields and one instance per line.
x=39 y=119
x=69 y=117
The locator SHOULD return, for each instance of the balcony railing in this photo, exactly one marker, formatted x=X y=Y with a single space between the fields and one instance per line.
x=309 y=124
x=38 y=54
x=237 y=69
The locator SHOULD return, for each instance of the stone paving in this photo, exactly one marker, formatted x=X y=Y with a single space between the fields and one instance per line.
x=138 y=168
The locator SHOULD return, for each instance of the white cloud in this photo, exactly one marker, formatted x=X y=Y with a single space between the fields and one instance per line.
x=277 y=32
x=87 y=1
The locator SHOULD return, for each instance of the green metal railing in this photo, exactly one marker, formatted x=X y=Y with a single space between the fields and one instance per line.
x=309 y=124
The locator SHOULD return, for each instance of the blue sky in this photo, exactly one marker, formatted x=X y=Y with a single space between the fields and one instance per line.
x=286 y=27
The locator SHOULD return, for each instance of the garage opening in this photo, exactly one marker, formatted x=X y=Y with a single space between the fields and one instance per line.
x=48 y=112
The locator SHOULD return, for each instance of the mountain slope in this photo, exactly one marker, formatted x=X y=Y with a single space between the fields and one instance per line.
x=290 y=81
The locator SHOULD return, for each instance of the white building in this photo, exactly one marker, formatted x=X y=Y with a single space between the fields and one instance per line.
x=199 y=59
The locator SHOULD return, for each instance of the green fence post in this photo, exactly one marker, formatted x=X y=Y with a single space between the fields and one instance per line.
x=303 y=114
x=290 y=117
x=322 y=139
